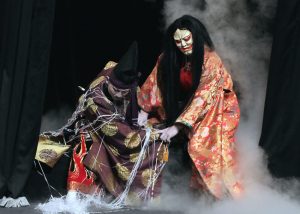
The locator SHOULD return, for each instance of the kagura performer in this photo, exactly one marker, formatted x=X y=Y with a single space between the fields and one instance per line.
x=110 y=153
x=190 y=89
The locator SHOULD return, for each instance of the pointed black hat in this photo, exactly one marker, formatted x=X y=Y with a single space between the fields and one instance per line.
x=125 y=73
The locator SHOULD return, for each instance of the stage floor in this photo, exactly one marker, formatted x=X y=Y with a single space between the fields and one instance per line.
x=31 y=210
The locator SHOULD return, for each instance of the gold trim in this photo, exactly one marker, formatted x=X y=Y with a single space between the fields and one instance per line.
x=110 y=64
x=97 y=82
x=49 y=151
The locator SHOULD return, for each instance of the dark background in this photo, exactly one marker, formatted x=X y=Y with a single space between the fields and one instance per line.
x=281 y=122
x=50 y=47
x=86 y=35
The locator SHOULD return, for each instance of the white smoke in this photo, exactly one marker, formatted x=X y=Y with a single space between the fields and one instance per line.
x=241 y=42
x=55 y=119
x=241 y=34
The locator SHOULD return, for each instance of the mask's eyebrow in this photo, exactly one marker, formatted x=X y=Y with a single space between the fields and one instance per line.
x=187 y=37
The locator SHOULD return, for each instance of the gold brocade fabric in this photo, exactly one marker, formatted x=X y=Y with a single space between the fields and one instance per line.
x=109 y=155
x=49 y=151
x=213 y=116
x=99 y=79
x=109 y=129
x=122 y=171
x=132 y=140
x=117 y=145
x=114 y=150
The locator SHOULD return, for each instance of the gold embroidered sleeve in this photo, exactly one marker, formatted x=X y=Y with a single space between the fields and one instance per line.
x=101 y=76
x=120 y=131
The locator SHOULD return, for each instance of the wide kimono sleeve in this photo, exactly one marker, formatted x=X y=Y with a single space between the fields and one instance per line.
x=149 y=96
x=211 y=85
x=101 y=77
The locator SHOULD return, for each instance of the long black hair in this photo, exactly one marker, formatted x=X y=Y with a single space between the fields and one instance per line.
x=172 y=59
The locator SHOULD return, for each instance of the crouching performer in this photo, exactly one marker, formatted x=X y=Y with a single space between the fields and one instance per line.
x=111 y=154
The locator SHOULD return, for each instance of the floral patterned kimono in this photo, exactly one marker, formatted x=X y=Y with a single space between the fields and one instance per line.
x=212 y=116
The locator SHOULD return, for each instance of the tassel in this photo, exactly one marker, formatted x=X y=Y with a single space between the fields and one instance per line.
x=166 y=154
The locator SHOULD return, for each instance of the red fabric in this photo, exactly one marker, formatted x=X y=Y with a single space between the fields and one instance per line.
x=185 y=79
x=80 y=177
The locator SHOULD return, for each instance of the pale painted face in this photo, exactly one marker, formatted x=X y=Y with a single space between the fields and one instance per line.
x=184 y=41
x=116 y=93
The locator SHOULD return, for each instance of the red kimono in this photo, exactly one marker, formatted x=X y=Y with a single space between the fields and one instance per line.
x=212 y=115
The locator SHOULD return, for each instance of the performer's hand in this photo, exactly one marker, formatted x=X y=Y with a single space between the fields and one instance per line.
x=168 y=133
x=142 y=118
